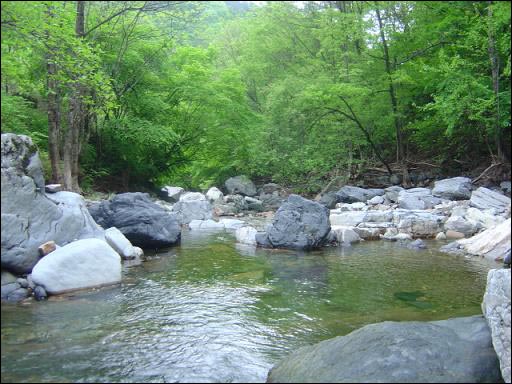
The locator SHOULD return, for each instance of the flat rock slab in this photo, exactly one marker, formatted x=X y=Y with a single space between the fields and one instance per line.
x=81 y=264
x=448 y=351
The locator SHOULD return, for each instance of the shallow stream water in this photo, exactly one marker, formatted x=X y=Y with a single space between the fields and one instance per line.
x=212 y=310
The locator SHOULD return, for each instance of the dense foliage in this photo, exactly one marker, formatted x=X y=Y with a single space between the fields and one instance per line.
x=190 y=93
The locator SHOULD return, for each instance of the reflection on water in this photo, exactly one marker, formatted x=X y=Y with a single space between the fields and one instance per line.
x=215 y=311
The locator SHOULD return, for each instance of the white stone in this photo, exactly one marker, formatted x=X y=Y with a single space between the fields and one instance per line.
x=487 y=218
x=345 y=234
x=246 y=235
x=350 y=218
x=192 y=196
x=115 y=238
x=359 y=206
x=232 y=223
x=80 y=264
x=491 y=243
x=376 y=200
x=214 y=194
x=205 y=224
x=496 y=309
x=441 y=236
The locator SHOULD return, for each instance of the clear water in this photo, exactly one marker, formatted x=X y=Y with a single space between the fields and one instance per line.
x=215 y=311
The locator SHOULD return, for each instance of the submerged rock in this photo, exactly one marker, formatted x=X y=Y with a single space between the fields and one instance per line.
x=456 y=350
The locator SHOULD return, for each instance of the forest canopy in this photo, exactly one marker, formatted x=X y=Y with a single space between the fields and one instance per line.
x=123 y=94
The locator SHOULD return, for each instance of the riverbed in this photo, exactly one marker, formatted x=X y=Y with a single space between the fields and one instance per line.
x=211 y=310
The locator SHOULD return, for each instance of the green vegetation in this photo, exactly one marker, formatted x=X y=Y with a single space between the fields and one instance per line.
x=119 y=95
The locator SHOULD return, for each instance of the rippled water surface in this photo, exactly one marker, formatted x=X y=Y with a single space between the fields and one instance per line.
x=215 y=311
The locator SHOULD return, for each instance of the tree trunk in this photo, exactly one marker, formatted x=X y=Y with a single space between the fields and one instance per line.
x=493 y=57
x=394 y=103
x=53 y=107
x=76 y=120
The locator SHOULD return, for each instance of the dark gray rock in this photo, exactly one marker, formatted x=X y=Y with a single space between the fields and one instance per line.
x=254 y=204
x=8 y=288
x=40 y=293
x=298 y=224
x=456 y=188
x=143 y=222
x=18 y=295
x=329 y=199
x=448 y=351
x=350 y=194
x=29 y=216
x=272 y=201
x=171 y=194
x=240 y=185
x=22 y=282
x=417 y=244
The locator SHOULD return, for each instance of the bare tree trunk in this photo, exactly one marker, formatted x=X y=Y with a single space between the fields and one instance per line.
x=493 y=57
x=394 y=103
x=53 y=108
x=76 y=120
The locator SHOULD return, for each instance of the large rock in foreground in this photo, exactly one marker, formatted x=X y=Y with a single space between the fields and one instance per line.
x=29 y=216
x=496 y=309
x=80 y=264
x=143 y=222
x=448 y=351
x=298 y=224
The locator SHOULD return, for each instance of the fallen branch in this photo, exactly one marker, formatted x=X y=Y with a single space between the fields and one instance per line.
x=485 y=171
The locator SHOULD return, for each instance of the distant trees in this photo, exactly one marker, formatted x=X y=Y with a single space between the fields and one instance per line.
x=193 y=92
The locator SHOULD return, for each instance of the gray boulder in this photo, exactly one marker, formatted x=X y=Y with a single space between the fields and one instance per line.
x=143 y=222
x=350 y=194
x=418 y=223
x=449 y=351
x=298 y=224
x=192 y=206
x=392 y=193
x=214 y=195
x=456 y=188
x=496 y=309
x=240 y=185
x=506 y=186
x=485 y=198
x=460 y=224
x=29 y=216
x=328 y=199
x=417 y=198
x=81 y=264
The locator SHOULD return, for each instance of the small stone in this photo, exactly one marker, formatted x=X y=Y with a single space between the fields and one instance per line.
x=22 y=282
x=47 y=248
x=40 y=293
x=441 y=236
x=53 y=188
x=454 y=234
